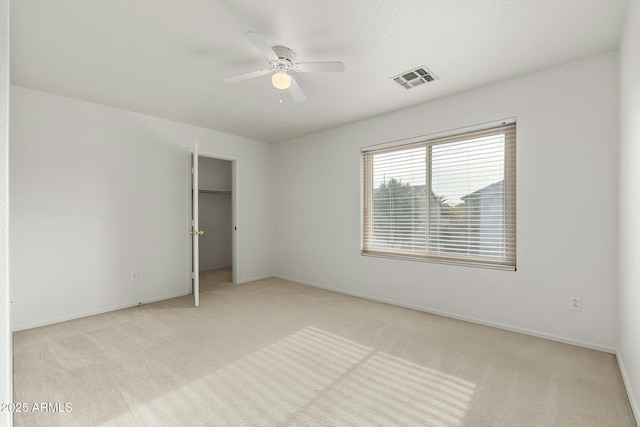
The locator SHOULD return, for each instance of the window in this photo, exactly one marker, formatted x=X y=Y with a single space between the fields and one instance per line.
x=446 y=199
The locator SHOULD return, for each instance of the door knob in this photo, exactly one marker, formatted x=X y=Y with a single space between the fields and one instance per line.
x=193 y=232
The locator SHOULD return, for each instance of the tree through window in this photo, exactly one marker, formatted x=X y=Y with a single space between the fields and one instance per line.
x=447 y=199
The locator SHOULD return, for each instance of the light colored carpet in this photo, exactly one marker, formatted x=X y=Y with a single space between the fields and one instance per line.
x=275 y=353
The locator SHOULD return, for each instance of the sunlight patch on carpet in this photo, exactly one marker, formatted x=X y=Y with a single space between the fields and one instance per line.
x=313 y=377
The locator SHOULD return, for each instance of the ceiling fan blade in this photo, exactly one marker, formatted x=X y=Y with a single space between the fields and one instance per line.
x=248 y=75
x=262 y=45
x=326 y=67
x=295 y=91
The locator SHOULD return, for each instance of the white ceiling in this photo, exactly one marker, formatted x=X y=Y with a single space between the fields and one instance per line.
x=167 y=58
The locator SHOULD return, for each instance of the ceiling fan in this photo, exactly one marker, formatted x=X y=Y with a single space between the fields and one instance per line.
x=281 y=64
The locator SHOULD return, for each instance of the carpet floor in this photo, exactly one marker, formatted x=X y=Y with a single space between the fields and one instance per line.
x=276 y=353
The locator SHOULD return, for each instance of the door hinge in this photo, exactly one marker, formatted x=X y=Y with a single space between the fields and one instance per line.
x=193 y=275
x=193 y=171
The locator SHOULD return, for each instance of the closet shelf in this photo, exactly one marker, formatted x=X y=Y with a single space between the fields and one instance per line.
x=214 y=191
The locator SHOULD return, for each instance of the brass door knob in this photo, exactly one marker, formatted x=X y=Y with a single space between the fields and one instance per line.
x=193 y=232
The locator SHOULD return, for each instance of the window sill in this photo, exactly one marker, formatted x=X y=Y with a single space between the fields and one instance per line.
x=435 y=260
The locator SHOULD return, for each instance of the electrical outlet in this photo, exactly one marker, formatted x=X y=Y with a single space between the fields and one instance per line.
x=575 y=303
x=134 y=275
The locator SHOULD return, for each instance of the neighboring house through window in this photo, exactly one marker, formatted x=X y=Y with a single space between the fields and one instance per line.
x=446 y=199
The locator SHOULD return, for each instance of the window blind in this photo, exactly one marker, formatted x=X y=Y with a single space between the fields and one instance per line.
x=448 y=199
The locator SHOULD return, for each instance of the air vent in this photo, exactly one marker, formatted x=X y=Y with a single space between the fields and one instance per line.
x=416 y=77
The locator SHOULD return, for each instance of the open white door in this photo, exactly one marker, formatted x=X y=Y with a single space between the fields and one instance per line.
x=195 y=232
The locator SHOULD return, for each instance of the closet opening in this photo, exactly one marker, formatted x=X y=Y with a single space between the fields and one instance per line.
x=213 y=207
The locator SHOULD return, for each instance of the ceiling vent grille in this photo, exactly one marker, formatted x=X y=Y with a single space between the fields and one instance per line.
x=416 y=77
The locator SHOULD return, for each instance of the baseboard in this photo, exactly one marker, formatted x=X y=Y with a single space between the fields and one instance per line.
x=459 y=317
x=117 y=307
x=633 y=401
x=97 y=311
x=253 y=279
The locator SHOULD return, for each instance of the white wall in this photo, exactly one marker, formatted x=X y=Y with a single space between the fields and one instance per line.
x=5 y=320
x=98 y=192
x=214 y=174
x=215 y=214
x=629 y=292
x=217 y=222
x=566 y=200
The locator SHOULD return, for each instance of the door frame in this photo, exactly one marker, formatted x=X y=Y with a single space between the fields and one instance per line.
x=235 y=246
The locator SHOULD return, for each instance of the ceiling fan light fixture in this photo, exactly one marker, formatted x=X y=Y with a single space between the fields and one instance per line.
x=281 y=80
x=281 y=60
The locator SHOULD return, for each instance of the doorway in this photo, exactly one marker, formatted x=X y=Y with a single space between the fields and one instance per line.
x=214 y=209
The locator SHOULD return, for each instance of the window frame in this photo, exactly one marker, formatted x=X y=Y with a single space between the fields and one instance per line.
x=509 y=260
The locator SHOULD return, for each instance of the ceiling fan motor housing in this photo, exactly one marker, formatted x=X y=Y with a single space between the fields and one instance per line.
x=285 y=58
